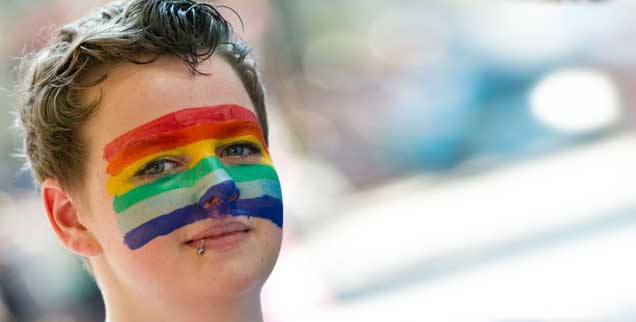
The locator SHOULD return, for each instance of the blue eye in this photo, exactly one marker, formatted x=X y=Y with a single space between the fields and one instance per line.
x=157 y=167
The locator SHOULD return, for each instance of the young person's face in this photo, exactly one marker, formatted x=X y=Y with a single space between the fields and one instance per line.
x=177 y=161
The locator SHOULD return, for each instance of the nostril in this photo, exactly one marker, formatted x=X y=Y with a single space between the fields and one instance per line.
x=212 y=202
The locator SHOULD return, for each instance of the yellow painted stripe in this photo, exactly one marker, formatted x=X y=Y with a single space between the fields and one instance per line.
x=123 y=182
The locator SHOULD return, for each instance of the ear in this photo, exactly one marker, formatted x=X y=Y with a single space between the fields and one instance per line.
x=65 y=220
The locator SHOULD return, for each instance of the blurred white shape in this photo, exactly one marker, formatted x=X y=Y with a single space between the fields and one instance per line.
x=584 y=281
x=521 y=33
x=576 y=100
x=398 y=226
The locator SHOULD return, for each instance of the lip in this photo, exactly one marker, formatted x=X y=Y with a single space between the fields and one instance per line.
x=220 y=236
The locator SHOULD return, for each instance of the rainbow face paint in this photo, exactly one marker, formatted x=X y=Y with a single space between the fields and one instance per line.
x=149 y=206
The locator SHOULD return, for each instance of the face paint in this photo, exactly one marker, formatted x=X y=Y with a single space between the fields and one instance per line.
x=151 y=201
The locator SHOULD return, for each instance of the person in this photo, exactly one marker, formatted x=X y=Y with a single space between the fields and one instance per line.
x=145 y=125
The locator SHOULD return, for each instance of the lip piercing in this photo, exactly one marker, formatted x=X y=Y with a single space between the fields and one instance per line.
x=201 y=248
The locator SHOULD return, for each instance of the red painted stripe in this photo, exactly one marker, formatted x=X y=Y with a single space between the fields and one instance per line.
x=177 y=121
x=170 y=140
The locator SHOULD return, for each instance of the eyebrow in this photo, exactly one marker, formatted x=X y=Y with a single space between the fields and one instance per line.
x=161 y=129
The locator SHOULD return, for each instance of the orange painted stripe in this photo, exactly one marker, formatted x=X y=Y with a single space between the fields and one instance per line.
x=177 y=120
x=184 y=136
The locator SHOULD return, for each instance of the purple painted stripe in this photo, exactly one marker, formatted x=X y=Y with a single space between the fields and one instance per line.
x=265 y=207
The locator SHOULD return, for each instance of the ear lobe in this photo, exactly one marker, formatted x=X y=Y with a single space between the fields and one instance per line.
x=64 y=218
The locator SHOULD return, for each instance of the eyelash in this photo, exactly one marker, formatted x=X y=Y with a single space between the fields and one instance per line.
x=252 y=150
x=144 y=172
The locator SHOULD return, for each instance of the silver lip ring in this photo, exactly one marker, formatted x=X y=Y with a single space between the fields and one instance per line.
x=201 y=248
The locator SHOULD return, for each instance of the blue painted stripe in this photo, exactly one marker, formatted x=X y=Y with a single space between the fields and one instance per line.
x=265 y=207
x=175 y=199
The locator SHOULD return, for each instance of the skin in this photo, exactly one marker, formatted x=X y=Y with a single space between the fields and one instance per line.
x=163 y=280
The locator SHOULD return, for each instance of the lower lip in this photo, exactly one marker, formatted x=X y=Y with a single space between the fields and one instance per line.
x=224 y=242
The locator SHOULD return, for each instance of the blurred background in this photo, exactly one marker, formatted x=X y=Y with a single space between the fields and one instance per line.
x=440 y=161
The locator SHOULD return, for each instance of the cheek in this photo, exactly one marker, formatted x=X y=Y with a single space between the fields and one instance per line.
x=141 y=267
x=106 y=228
x=269 y=238
x=103 y=221
x=151 y=268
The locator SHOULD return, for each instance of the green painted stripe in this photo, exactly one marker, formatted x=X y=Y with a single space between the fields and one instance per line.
x=188 y=178
x=168 y=201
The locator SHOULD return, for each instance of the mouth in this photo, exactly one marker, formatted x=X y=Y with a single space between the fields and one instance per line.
x=220 y=236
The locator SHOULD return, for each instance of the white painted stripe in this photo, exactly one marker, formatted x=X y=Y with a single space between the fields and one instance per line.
x=171 y=200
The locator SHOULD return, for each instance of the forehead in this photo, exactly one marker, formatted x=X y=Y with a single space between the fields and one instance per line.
x=186 y=126
x=134 y=95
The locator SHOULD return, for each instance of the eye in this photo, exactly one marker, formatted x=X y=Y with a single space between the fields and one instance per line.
x=240 y=150
x=157 y=167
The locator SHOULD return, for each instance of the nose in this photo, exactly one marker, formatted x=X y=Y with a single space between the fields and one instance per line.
x=216 y=188
x=219 y=194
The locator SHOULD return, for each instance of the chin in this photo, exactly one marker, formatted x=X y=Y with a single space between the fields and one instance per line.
x=166 y=267
x=235 y=279
x=240 y=275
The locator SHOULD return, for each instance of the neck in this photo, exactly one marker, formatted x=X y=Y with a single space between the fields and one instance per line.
x=210 y=311
x=244 y=309
x=126 y=305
